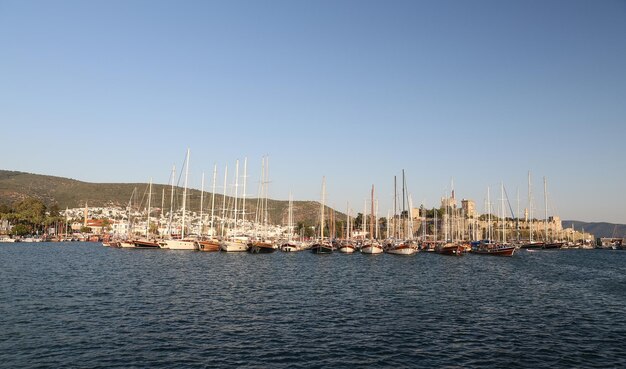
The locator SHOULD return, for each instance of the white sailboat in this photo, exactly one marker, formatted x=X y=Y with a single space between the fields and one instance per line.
x=182 y=243
x=235 y=242
x=371 y=246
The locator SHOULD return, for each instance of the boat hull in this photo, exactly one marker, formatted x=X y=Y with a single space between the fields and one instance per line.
x=181 y=245
x=371 y=250
x=402 y=250
x=321 y=249
x=261 y=248
x=496 y=251
x=209 y=245
x=346 y=249
x=233 y=246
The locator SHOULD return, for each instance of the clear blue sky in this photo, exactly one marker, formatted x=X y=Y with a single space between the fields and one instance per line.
x=478 y=91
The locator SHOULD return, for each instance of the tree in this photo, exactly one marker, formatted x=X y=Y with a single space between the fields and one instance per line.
x=20 y=230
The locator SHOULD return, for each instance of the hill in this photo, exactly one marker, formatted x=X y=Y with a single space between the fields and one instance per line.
x=70 y=193
x=599 y=229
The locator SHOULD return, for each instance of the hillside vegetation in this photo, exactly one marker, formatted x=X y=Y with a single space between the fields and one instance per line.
x=70 y=193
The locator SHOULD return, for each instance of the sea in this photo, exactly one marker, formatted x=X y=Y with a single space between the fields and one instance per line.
x=83 y=305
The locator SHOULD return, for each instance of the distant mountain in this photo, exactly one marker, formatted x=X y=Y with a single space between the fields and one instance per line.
x=64 y=192
x=599 y=229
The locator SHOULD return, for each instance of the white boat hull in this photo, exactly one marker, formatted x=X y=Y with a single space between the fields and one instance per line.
x=402 y=251
x=346 y=250
x=233 y=246
x=371 y=250
x=181 y=245
x=127 y=245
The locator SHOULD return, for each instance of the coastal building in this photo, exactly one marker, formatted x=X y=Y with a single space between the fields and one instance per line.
x=469 y=208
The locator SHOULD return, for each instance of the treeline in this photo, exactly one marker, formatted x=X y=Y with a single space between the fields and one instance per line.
x=29 y=216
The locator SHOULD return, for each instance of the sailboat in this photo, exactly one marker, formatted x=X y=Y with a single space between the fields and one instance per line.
x=532 y=244
x=402 y=245
x=346 y=246
x=235 y=242
x=371 y=246
x=551 y=244
x=290 y=245
x=322 y=246
x=212 y=243
x=147 y=243
x=182 y=243
x=488 y=247
x=262 y=244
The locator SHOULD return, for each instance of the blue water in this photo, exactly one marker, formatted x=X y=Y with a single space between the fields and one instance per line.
x=85 y=305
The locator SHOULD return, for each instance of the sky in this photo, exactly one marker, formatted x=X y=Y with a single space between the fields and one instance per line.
x=463 y=94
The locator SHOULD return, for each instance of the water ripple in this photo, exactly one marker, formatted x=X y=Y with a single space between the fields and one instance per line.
x=83 y=305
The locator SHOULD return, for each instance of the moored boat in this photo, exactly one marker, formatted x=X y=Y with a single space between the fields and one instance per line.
x=494 y=249
x=261 y=247
x=452 y=249
x=209 y=245
x=372 y=248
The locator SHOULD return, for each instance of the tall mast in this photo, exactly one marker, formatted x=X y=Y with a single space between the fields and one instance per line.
x=376 y=217
x=149 y=204
x=502 y=210
x=372 y=216
x=182 y=233
x=245 y=173
x=322 y=209
x=545 y=200
x=488 y=215
x=530 y=208
x=236 y=195
x=395 y=206
x=169 y=226
x=213 y=201
x=202 y=205
x=347 y=220
x=224 y=200
x=290 y=217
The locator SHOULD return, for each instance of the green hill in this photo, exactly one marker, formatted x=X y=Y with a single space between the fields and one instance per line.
x=64 y=192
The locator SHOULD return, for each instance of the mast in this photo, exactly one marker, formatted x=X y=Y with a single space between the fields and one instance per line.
x=488 y=215
x=502 y=209
x=149 y=203
x=290 y=217
x=530 y=208
x=395 y=206
x=169 y=226
x=182 y=232
x=245 y=177
x=213 y=201
x=372 y=216
x=236 y=195
x=202 y=205
x=377 y=224
x=545 y=200
x=322 y=209
x=224 y=201
x=347 y=220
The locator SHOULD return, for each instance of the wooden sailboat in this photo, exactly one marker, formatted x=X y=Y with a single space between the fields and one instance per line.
x=402 y=244
x=146 y=242
x=262 y=244
x=488 y=247
x=322 y=246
